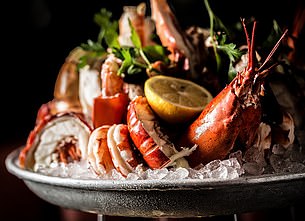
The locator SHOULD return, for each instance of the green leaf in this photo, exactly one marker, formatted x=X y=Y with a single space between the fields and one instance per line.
x=230 y=50
x=103 y=18
x=111 y=39
x=133 y=69
x=275 y=34
x=156 y=53
x=135 y=39
x=233 y=54
x=92 y=46
x=218 y=33
x=107 y=37
x=108 y=28
x=136 y=59
x=127 y=60
x=83 y=61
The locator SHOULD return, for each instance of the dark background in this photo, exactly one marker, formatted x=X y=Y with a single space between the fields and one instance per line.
x=37 y=35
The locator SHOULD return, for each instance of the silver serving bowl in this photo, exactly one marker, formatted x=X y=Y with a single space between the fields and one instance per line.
x=164 y=198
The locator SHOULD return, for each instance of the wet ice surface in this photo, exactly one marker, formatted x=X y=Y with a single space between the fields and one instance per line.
x=77 y=170
x=252 y=162
x=277 y=160
x=217 y=169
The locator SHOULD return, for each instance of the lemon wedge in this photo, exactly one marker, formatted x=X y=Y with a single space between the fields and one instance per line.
x=175 y=100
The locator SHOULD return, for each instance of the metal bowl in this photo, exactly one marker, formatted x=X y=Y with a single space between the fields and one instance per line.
x=164 y=198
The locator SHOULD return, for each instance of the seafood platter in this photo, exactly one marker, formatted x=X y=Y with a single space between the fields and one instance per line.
x=151 y=119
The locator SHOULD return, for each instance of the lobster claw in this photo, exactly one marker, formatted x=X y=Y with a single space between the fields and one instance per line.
x=108 y=110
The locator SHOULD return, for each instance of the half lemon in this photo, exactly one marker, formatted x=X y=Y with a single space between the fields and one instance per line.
x=175 y=100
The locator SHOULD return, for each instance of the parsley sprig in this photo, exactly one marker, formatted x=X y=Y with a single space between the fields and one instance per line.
x=136 y=59
x=107 y=37
x=218 y=33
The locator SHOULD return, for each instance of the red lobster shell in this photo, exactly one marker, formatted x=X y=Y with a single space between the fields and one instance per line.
x=145 y=132
x=234 y=114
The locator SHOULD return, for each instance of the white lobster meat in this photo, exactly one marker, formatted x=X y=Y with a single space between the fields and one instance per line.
x=58 y=138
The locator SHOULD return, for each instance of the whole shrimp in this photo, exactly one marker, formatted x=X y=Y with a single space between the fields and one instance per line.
x=234 y=114
x=109 y=148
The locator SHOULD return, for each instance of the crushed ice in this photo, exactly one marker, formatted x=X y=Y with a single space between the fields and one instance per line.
x=217 y=169
x=254 y=161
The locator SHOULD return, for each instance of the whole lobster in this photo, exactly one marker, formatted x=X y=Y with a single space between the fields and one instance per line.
x=233 y=115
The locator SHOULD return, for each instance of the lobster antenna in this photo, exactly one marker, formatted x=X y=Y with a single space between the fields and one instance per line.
x=273 y=50
x=252 y=50
x=246 y=32
x=250 y=44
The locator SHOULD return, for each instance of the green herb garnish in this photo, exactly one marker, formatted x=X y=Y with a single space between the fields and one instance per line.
x=107 y=37
x=218 y=33
x=136 y=59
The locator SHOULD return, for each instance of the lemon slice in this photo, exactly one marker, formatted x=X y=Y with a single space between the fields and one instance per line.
x=175 y=100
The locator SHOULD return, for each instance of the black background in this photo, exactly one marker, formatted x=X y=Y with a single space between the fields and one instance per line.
x=39 y=34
